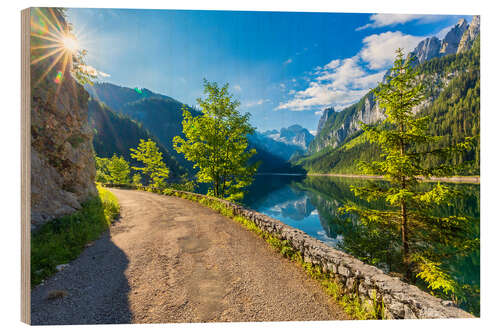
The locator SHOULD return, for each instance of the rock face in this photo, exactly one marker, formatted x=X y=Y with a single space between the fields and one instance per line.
x=62 y=162
x=427 y=49
x=469 y=35
x=296 y=135
x=324 y=117
x=340 y=125
x=452 y=39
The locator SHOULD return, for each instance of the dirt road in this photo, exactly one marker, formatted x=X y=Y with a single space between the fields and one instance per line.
x=172 y=260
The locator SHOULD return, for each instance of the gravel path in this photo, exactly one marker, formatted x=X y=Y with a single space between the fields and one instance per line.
x=172 y=260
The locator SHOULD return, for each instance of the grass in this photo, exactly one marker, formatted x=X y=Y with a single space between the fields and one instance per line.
x=61 y=240
x=350 y=302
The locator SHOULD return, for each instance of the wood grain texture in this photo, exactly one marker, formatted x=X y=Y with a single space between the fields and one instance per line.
x=25 y=166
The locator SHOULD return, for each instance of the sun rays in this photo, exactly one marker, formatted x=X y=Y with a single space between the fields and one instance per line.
x=53 y=43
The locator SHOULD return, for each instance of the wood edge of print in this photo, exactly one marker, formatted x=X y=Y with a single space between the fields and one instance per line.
x=25 y=167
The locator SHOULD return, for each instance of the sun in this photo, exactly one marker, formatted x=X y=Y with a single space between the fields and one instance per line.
x=54 y=43
x=70 y=43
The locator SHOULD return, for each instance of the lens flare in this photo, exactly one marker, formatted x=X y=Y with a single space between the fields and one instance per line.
x=52 y=42
x=58 y=77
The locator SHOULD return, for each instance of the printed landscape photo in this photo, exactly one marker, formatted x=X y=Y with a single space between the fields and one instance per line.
x=232 y=166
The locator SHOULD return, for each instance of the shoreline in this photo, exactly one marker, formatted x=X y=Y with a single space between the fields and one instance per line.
x=454 y=179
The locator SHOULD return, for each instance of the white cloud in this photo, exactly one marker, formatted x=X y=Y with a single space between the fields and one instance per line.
x=385 y=20
x=102 y=74
x=342 y=82
x=379 y=49
x=331 y=65
x=87 y=69
x=318 y=113
x=343 y=74
x=321 y=95
x=313 y=132
x=237 y=87
x=339 y=83
x=250 y=104
x=288 y=61
x=442 y=33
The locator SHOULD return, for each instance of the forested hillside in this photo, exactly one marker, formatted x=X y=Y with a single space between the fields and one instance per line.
x=161 y=115
x=116 y=133
x=453 y=93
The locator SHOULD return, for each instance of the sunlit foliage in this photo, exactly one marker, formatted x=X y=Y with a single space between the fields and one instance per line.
x=217 y=144
x=114 y=170
x=425 y=238
x=154 y=169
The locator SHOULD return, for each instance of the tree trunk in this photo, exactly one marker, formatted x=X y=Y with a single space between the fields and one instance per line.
x=404 y=217
x=404 y=238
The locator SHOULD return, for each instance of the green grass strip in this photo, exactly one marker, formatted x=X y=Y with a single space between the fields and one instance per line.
x=63 y=239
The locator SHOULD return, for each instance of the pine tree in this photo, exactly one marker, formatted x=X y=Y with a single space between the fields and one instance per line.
x=425 y=237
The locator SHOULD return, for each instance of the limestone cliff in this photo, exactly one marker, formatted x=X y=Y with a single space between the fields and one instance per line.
x=427 y=49
x=469 y=35
x=62 y=162
x=450 y=43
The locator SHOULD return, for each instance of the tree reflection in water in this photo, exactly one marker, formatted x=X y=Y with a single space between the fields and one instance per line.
x=311 y=204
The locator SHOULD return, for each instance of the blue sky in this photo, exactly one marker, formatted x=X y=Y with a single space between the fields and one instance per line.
x=284 y=67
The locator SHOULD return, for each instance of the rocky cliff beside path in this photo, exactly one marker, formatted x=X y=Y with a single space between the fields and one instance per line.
x=62 y=162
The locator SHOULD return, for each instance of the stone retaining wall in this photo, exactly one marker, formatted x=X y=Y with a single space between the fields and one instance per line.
x=401 y=300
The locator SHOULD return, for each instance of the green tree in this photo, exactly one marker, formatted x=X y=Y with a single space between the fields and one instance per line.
x=425 y=238
x=119 y=170
x=102 y=172
x=154 y=168
x=136 y=179
x=114 y=170
x=217 y=144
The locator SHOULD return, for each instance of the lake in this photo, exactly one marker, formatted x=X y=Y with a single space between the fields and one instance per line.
x=311 y=204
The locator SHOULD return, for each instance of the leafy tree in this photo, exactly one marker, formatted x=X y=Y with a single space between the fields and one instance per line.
x=425 y=237
x=119 y=170
x=216 y=142
x=114 y=170
x=154 y=168
x=136 y=179
x=102 y=172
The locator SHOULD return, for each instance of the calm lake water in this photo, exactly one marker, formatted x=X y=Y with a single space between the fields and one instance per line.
x=311 y=204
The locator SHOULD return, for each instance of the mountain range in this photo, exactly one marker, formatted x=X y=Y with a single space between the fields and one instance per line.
x=450 y=67
x=121 y=116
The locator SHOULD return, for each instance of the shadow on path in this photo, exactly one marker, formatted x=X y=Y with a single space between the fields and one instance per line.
x=95 y=287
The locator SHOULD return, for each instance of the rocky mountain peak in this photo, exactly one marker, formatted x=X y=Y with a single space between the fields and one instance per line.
x=324 y=117
x=469 y=35
x=452 y=39
x=427 y=49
